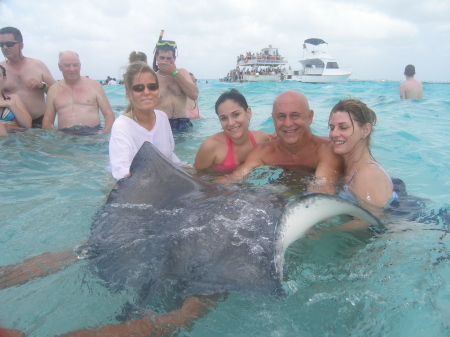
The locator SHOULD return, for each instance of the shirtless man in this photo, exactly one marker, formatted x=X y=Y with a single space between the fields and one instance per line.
x=76 y=99
x=27 y=77
x=411 y=88
x=295 y=145
x=175 y=86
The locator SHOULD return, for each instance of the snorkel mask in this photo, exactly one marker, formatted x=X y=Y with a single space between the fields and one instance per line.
x=165 y=45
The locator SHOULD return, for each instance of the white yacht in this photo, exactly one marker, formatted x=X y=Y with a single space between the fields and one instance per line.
x=318 y=65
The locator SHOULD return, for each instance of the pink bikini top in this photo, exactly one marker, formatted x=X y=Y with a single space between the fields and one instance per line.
x=230 y=163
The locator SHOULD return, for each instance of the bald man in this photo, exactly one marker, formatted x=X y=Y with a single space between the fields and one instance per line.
x=76 y=99
x=295 y=145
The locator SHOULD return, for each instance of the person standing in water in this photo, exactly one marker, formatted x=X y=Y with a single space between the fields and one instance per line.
x=411 y=88
x=76 y=99
x=192 y=105
x=175 y=86
x=27 y=77
x=141 y=121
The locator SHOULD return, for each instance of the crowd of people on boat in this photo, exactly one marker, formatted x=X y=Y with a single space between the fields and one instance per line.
x=258 y=56
x=237 y=75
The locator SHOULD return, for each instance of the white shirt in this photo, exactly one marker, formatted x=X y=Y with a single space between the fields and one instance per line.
x=127 y=137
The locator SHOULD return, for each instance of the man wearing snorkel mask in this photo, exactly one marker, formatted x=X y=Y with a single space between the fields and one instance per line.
x=175 y=86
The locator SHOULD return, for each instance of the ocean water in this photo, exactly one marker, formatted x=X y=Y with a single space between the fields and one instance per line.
x=339 y=284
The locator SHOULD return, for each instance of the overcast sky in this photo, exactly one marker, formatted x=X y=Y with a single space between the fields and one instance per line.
x=378 y=38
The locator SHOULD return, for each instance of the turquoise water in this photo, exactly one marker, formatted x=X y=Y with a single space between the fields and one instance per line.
x=341 y=284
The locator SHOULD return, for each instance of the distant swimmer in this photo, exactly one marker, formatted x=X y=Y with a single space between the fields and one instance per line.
x=76 y=99
x=175 y=86
x=411 y=88
x=27 y=77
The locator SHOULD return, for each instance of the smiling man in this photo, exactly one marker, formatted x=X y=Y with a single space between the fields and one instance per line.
x=295 y=145
x=175 y=86
x=27 y=77
x=76 y=99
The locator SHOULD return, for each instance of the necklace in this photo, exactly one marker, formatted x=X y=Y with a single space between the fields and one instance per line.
x=161 y=75
x=133 y=116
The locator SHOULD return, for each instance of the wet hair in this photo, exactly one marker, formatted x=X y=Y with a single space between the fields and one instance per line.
x=358 y=112
x=14 y=31
x=410 y=70
x=137 y=56
x=3 y=70
x=232 y=95
x=133 y=69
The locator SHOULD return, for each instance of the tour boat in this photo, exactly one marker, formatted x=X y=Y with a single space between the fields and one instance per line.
x=268 y=65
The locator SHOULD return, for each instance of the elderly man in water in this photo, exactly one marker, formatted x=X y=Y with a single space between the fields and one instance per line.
x=76 y=99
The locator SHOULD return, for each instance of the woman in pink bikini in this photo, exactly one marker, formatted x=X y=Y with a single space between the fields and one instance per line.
x=228 y=149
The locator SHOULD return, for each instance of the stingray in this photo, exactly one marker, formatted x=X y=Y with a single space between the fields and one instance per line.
x=167 y=234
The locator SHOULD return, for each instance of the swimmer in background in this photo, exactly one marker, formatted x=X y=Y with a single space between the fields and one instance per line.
x=365 y=180
x=76 y=99
x=175 y=85
x=228 y=149
x=27 y=77
x=411 y=88
x=12 y=110
x=192 y=105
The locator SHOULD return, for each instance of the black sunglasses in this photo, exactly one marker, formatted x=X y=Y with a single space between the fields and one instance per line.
x=141 y=87
x=8 y=44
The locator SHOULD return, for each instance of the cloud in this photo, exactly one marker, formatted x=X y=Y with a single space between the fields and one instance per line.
x=375 y=37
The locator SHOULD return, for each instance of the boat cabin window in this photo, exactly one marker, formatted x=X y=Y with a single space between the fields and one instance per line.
x=332 y=65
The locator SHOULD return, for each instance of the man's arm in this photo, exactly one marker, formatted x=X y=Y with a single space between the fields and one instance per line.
x=328 y=171
x=46 y=77
x=105 y=107
x=50 y=110
x=184 y=80
x=401 y=90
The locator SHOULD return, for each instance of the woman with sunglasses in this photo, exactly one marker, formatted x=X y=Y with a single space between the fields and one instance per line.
x=228 y=149
x=140 y=123
x=12 y=110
